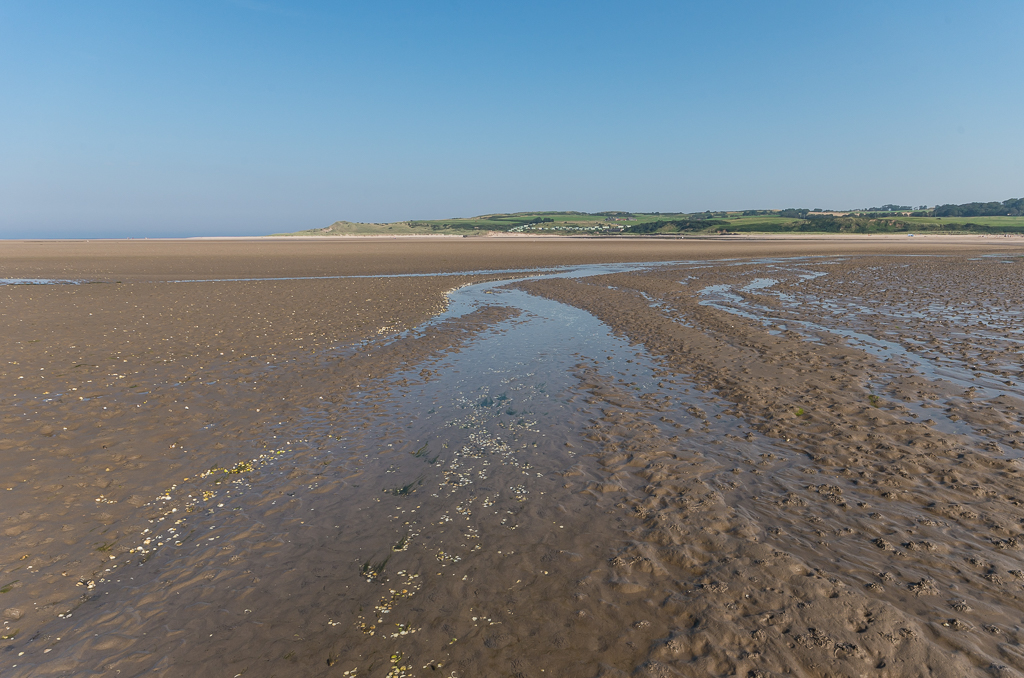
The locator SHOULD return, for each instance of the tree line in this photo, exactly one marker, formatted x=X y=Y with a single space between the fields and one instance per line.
x=1013 y=207
x=674 y=225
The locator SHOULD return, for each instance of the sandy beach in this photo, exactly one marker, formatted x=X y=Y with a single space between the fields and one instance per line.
x=754 y=456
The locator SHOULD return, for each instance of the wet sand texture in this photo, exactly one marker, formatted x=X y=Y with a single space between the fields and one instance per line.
x=752 y=467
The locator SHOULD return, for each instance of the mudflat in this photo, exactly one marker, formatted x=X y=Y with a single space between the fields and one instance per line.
x=444 y=457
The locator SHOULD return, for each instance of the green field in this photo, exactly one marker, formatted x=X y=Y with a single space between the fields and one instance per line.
x=704 y=223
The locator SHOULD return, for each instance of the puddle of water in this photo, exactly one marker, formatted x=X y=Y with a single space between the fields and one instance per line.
x=40 y=281
x=759 y=284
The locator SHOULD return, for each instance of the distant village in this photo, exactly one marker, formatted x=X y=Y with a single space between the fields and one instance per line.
x=593 y=227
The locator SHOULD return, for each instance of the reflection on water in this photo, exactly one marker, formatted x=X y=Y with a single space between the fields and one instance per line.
x=39 y=281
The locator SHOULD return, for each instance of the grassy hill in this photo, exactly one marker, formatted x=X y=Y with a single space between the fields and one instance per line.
x=519 y=222
x=703 y=223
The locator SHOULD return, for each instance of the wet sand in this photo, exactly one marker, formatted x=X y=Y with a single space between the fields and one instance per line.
x=713 y=468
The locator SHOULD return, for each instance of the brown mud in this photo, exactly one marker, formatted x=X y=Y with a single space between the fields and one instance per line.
x=745 y=467
x=862 y=539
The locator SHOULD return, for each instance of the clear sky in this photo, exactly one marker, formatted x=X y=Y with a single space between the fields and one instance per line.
x=231 y=117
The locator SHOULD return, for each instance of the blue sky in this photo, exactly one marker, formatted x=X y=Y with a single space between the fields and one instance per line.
x=232 y=117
